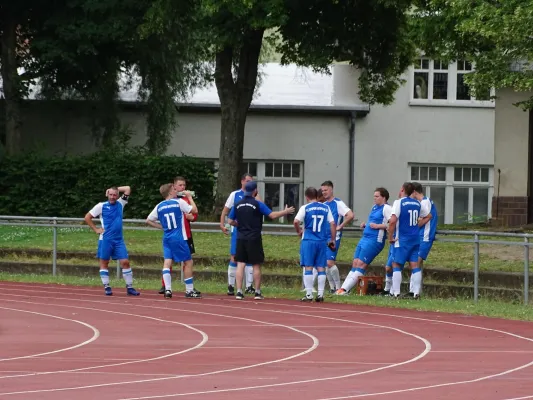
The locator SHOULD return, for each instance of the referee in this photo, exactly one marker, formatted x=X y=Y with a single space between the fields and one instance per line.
x=247 y=215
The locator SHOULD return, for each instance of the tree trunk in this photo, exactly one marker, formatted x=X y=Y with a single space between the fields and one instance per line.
x=235 y=99
x=11 y=86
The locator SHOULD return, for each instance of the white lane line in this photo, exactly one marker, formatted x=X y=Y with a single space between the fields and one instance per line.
x=308 y=350
x=96 y=334
x=202 y=342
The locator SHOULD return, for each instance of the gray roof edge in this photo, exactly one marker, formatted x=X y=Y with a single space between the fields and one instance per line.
x=333 y=109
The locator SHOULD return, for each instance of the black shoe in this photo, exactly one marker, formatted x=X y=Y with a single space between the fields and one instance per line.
x=258 y=296
x=250 y=289
x=231 y=290
x=239 y=296
x=409 y=295
x=385 y=293
x=168 y=294
x=307 y=299
x=162 y=290
x=319 y=299
x=332 y=291
x=193 y=294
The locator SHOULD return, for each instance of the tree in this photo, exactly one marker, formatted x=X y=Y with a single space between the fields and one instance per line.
x=494 y=35
x=82 y=48
x=369 y=34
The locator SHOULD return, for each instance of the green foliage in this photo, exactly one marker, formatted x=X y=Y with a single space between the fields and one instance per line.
x=495 y=35
x=69 y=186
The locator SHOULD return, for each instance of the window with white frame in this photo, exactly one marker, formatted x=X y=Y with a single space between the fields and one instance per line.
x=440 y=83
x=462 y=194
x=279 y=183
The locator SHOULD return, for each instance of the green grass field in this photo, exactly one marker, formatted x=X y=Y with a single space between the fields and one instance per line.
x=467 y=307
x=443 y=254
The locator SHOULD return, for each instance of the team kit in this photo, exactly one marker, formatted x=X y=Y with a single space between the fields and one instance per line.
x=409 y=225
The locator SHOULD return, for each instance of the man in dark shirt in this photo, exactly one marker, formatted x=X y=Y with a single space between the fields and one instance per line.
x=248 y=214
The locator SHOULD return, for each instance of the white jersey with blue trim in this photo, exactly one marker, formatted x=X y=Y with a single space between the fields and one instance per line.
x=234 y=198
x=378 y=215
x=428 y=231
x=169 y=213
x=110 y=218
x=339 y=210
x=313 y=215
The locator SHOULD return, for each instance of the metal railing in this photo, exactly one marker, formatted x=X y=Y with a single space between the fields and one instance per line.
x=475 y=237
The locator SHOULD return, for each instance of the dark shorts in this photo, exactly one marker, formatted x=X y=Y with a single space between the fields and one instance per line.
x=191 y=245
x=250 y=251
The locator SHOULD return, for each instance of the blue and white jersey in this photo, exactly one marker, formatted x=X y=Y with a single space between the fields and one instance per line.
x=316 y=218
x=110 y=218
x=428 y=231
x=378 y=215
x=339 y=210
x=234 y=198
x=169 y=213
x=407 y=210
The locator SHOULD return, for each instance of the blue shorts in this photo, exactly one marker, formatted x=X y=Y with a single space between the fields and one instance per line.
x=425 y=247
x=367 y=250
x=313 y=253
x=391 y=256
x=407 y=251
x=176 y=250
x=332 y=254
x=233 y=244
x=112 y=249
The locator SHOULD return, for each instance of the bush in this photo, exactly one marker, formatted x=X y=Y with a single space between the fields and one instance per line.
x=69 y=186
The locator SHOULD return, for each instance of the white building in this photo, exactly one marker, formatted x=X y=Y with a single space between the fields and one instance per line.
x=304 y=128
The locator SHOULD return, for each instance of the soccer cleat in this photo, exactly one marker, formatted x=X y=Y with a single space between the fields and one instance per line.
x=168 y=294
x=307 y=299
x=319 y=299
x=132 y=292
x=108 y=291
x=250 y=289
x=341 y=292
x=239 y=296
x=193 y=294
x=162 y=290
x=332 y=291
x=385 y=293
x=231 y=290
x=258 y=296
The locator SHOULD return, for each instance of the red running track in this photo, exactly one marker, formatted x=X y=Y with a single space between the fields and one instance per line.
x=60 y=342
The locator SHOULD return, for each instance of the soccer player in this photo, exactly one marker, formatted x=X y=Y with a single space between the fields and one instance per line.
x=180 y=185
x=111 y=242
x=373 y=240
x=427 y=224
x=247 y=215
x=316 y=237
x=404 y=223
x=342 y=216
x=169 y=213
x=233 y=199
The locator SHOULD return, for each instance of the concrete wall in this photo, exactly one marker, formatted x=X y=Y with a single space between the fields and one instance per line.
x=321 y=142
x=391 y=137
x=511 y=143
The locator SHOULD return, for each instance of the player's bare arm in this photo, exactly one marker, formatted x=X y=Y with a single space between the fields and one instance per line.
x=225 y=212
x=347 y=219
x=424 y=220
x=392 y=227
x=333 y=229
x=297 y=226
x=154 y=224
x=278 y=214
x=194 y=209
x=89 y=221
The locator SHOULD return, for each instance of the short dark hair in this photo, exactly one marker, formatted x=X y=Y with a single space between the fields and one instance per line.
x=311 y=193
x=383 y=192
x=408 y=188
x=180 y=178
x=417 y=187
x=244 y=176
x=327 y=183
